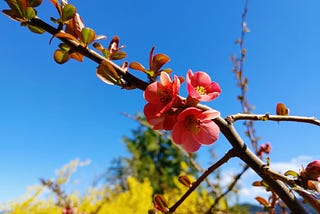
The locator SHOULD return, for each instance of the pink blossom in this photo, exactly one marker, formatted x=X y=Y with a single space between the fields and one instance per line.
x=200 y=87
x=312 y=172
x=195 y=127
x=162 y=97
x=264 y=148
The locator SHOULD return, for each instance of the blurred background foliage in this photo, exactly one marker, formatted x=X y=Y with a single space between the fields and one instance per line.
x=129 y=184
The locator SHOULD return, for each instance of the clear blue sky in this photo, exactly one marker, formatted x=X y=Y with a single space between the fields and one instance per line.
x=51 y=114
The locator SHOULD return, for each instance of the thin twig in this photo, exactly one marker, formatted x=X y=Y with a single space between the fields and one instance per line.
x=278 y=118
x=223 y=160
x=247 y=156
x=278 y=176
x=229 y=189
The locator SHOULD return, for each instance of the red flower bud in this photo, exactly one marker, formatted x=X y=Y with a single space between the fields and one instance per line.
x=312 y=172
x=160 y=203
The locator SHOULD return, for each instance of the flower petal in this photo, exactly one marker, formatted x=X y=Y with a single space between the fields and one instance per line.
x=190 y=144
x=209 y=133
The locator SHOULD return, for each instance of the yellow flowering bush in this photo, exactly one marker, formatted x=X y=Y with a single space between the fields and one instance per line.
x=105 y=200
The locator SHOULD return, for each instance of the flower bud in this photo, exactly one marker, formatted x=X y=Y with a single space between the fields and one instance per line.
x=160 y=203
x=312 y=172
x=185 y=180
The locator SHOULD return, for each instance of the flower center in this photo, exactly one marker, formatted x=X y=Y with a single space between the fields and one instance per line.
x=165 y=95
x=201 y=90
x=192 y=124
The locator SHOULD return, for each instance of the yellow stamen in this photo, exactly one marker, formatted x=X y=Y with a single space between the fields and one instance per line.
x=201 y=90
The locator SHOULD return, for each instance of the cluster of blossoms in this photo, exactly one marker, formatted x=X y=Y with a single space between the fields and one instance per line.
x=166 y=110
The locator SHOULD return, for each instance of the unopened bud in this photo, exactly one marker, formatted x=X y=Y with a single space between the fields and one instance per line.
x=185 y=180
x=160 y=203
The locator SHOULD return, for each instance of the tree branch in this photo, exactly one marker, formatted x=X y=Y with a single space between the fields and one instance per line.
x=94 y=56
x=223 y=160
x=263 y=117
x=246 y=155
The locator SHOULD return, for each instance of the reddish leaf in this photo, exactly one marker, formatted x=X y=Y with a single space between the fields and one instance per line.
x=262 y=201
x=54 y=2
x=136 y=66
x=158 y=61
x=24 y=5
x=181 y=79
x=151 y=56
x=107 y=73
x=66 y=36
x=18 y=8
x=75 y=26
x=34 y=3
x=281 y=109
x=114 y=44
x=98 y=46
x=257 y=184
x=13 y=14
x=77 y=56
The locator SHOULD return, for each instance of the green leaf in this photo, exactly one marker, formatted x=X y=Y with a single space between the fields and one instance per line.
x=291 y=173
x=64 y=47
x=36 y=29
x=106 y=53
x=30 y=13
x=68 y=12
x=88 y=35
x=118 y=55
x=61 y=56
x=149 y=72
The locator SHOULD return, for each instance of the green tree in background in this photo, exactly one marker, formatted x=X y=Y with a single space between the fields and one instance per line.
x=152 y=155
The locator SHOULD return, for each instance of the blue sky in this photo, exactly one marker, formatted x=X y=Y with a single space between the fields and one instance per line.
x=51 y=114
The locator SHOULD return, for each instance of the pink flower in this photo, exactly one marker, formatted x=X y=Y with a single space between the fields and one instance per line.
x=312 y=172
x=162 y=98
x=264 y=148
x=195 y=127
x=200 y=87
